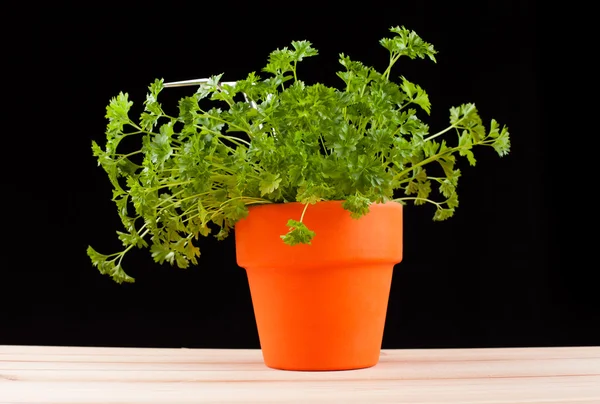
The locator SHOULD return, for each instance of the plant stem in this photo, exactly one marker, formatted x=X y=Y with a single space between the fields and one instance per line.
x=179 y=200
x=170 y=198
x=327 y=151
x=235 y=139
x=172 y=184
x=294 y=71
x=439 y=133
x=393 y=60
x=386 y=73
x=138 y=128
x=231 y=125
x=407 y=198
x=303 y=212
x=122 y=253
x=124 y=156
x=190 y=217
x=251 y=198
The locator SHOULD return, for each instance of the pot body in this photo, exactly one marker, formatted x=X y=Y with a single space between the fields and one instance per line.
x=320 y=306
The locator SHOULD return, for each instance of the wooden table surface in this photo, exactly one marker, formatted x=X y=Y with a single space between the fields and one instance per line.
x=33 y=374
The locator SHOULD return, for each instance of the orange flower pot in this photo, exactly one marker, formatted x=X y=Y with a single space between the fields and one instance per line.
x=320 y=306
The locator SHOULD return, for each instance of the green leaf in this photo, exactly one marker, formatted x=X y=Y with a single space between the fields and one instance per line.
x=225 y=93
x=182 y=261
x=222 y=234
x=447 y=162
x=464 y=112
x=108 y=267
x=269 y=182
x=235 y=209
x=416 y=94
x=132 y=238
x=97 y=150
x=126 y=167
x=357 y=205
x=156 y=87
x=303 y=49
x=502 y=142
x=452 y=202
x=412 y=188
x=443 y=214
x=162 y=253
x=192 y=252
x=431 y=148
x=470 y=156
x=152 y=106
x=357 y=76
x=420 y=174
x=96 y=257
x=465 y=142
x=313 y=193
x=280 y=61
x=211 y=86
x=298 y=233
x=447 y=188
x=188 y=109
x=109 y=165
x=160 y=148
x=346 y=141
x=117 y=112
x=454 y=176
x=423 y=191
x=148 y=121
x=408 y=43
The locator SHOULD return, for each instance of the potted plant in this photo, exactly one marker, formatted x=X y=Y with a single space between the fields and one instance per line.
x=312 y=180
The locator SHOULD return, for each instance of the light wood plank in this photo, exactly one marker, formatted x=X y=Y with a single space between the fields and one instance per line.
x=34 y=374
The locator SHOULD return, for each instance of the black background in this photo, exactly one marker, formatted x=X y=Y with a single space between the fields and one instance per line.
x=504 y=271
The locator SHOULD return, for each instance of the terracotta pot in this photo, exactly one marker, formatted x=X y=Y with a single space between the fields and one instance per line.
x=320 y=306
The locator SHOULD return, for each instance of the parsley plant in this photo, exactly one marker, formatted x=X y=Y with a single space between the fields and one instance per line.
x=278 y=139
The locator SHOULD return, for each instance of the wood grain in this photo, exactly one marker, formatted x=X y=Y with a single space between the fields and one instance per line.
x=34 y=374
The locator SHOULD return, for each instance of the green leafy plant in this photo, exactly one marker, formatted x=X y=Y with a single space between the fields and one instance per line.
x=277 y=140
